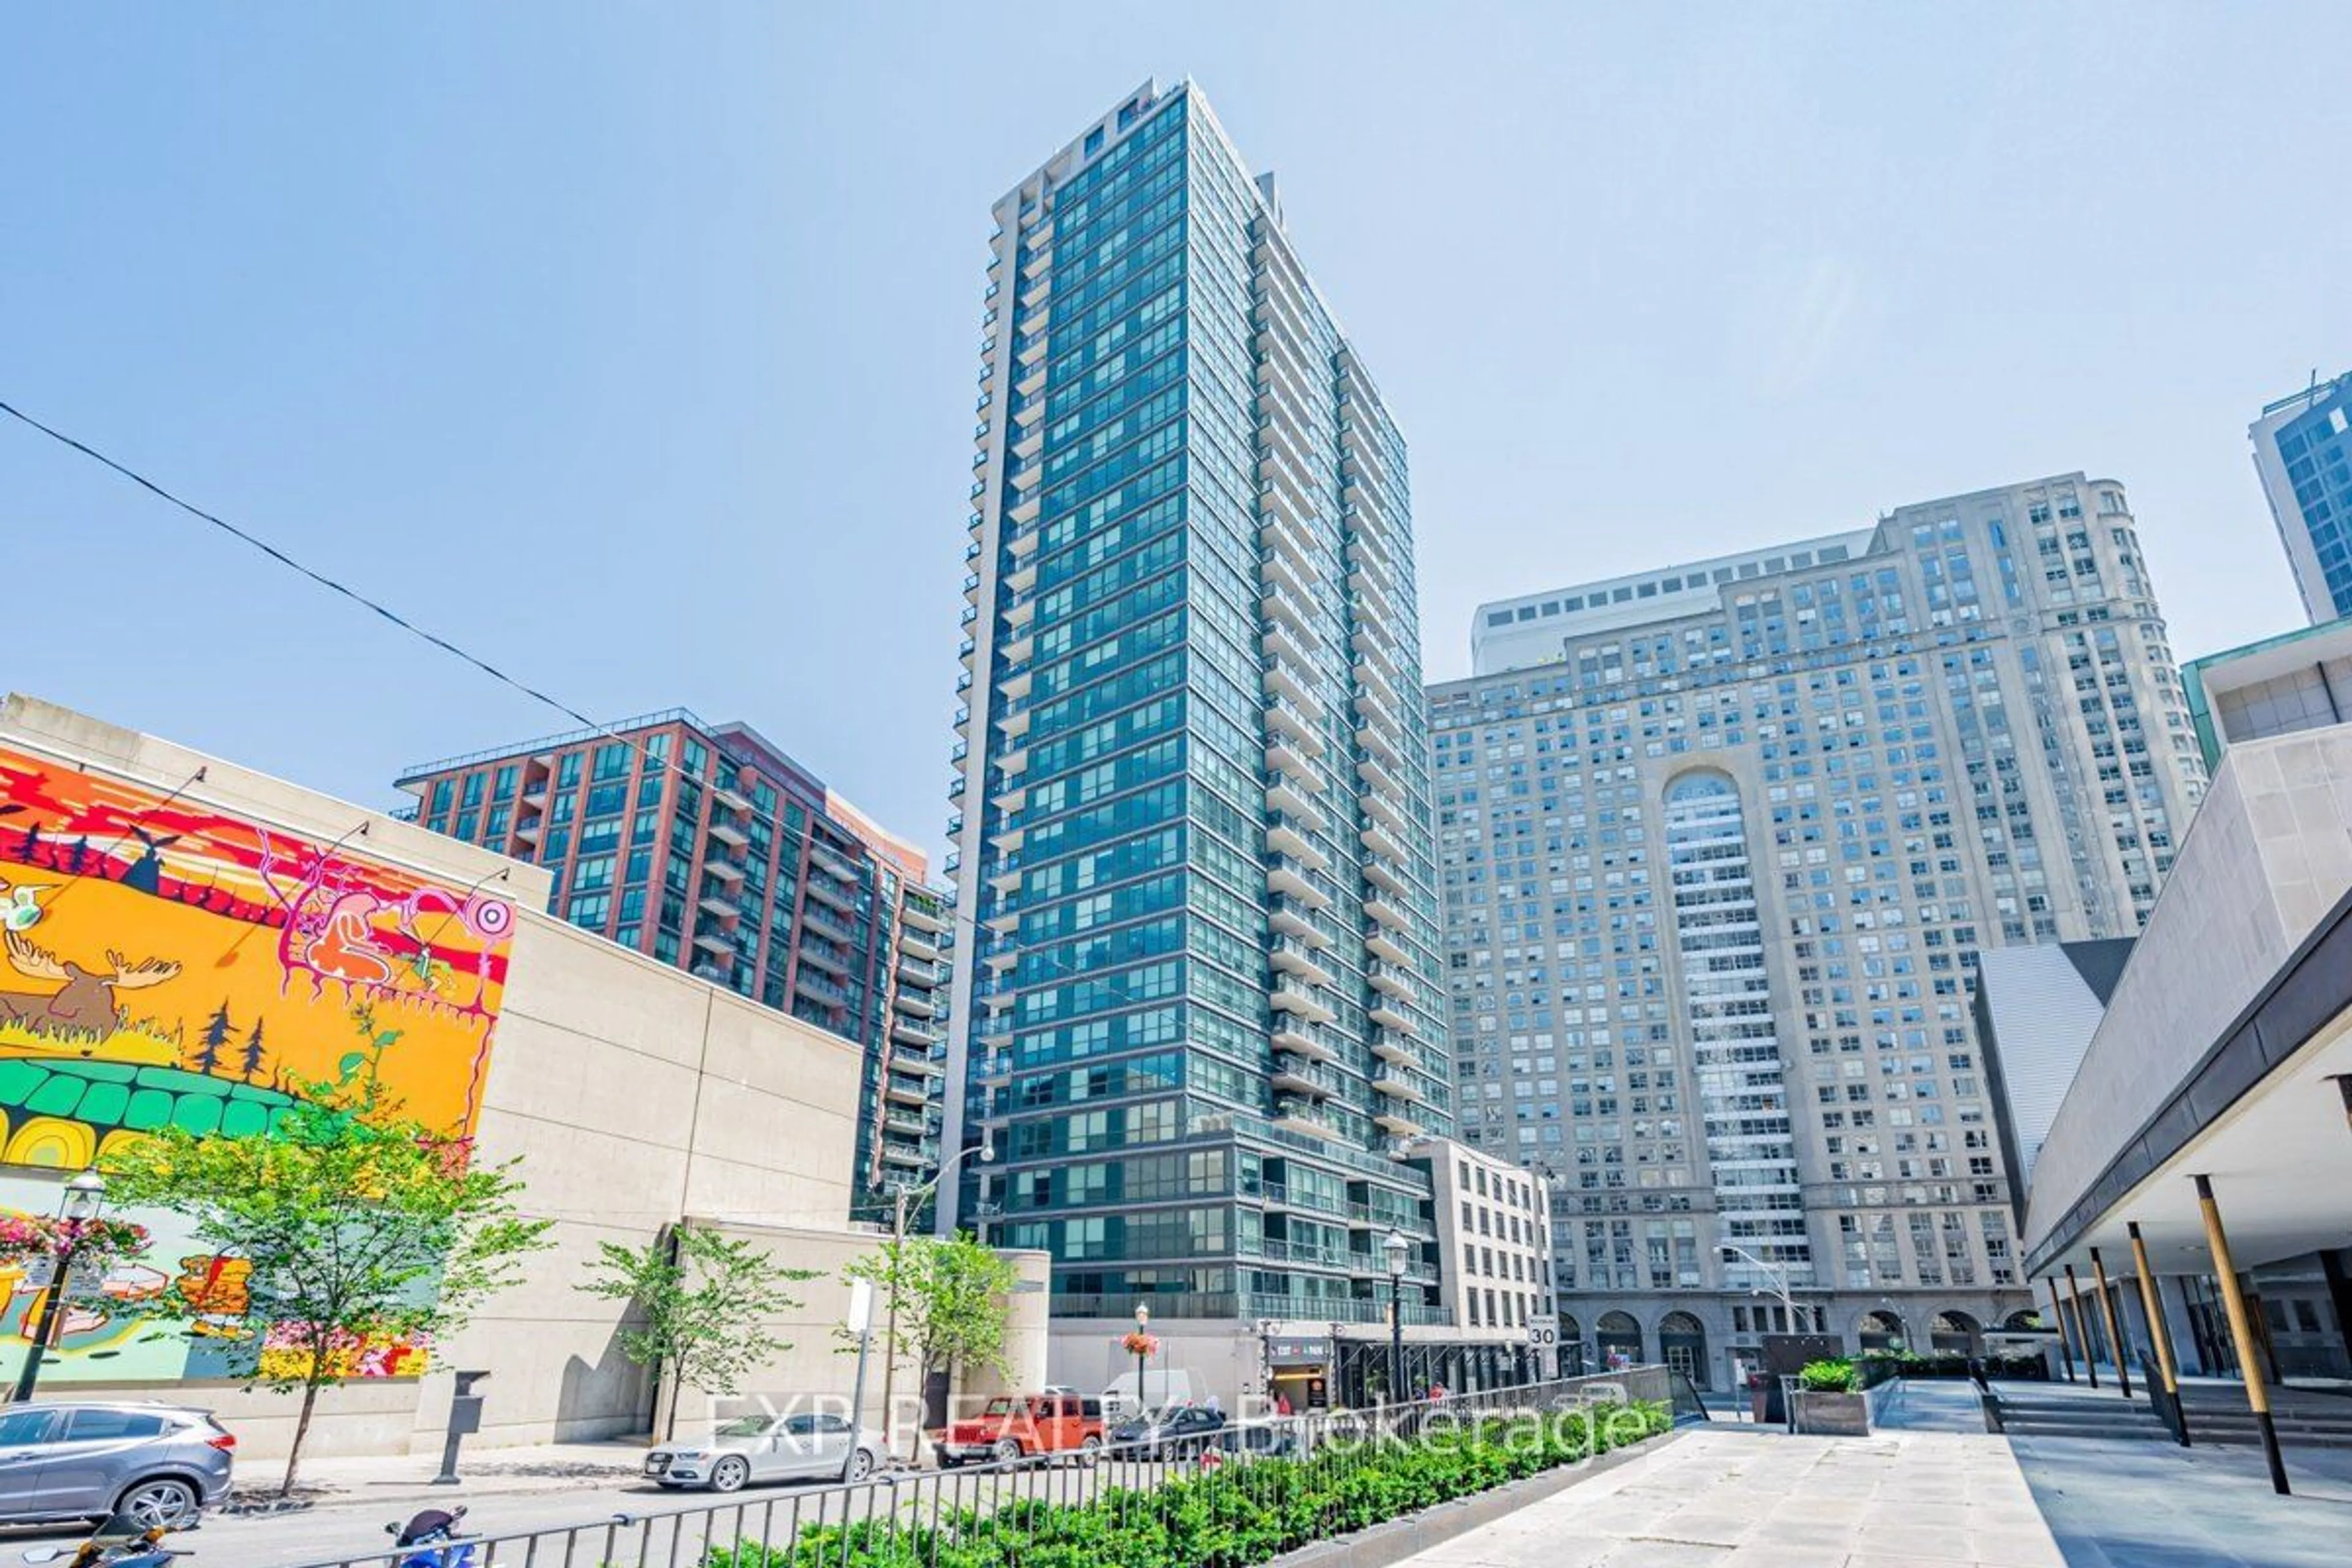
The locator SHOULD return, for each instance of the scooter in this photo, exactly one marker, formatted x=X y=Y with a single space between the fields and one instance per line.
x=120 y=1541
x=436 y=1530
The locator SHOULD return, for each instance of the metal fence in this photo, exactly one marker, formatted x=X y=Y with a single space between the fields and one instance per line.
x=907 y=1516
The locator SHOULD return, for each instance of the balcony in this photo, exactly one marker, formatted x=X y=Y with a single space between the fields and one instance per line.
x=1292 y=956
x=1286 y=835
x=1381 y=810
x=733 y=799
x=1374 y=737
x=1280 y=572
x=715 y=942
x=1387 y=877
x=1394 y=980
x=1286 y=755
x=1293 y=998
x=1376 y=776
x=1284 y=717
x=1297 y=1113
x=906 y=1091
x=1382 y=941
x=1388 y=1014
x=1393 y=1118
x=1291 y=682
x=825 y=956
x=819 y=918
x=808 y=983
x=1282 y=640
x=1377 y=838
x=1395 y=1046
x=913 y=1123
x=1287 y=875
x=907 y=1031
x=830 y=892
x=1285 y=795
x=1006 y=874
x=915 y=942
x=727 y=833
x=906 y=1155
x=1302 y=1039
x=920 y=1004
x=1292 y=918
x=917 y=972
x=1280 y=608
x=1300 y=1077
x=924 y=915
x=1400 y=1086
x=713 y=902
x=723 y=868
x=1382 y=908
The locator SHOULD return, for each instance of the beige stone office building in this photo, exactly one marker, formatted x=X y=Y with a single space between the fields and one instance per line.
x=1721 y=843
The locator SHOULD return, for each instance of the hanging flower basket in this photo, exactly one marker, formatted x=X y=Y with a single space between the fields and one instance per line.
x=33 y=1235
x=1140 y=1344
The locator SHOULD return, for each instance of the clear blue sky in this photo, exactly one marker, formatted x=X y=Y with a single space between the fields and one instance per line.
x=634 y=346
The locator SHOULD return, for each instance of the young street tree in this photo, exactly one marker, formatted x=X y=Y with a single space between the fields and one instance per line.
x=704 y=1305
x=362 y=1229
x=945 y=1300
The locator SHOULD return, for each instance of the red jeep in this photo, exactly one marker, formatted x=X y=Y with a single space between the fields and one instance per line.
x=1014 y=1426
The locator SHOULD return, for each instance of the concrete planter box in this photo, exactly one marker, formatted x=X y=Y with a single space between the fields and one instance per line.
x=1823 y=1415
x=1395 y=1541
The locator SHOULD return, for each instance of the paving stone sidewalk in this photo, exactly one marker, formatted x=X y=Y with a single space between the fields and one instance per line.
x=1745 y=1498
x=408 y=1477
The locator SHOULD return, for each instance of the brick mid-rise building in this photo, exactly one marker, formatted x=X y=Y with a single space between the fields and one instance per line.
x=707 y=847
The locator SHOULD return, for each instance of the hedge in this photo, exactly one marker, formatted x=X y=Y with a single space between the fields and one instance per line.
x=1243 y=1513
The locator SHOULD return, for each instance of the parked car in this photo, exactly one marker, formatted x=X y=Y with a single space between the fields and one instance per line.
x=1016 y=1427
x=148 y=1464
x=802 y=1446
x=1261 y=1439
x=1176 y=1432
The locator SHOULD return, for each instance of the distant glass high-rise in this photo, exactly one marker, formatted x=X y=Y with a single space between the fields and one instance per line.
x=1197 y=999
x=2303 y=450
x=1720 y=844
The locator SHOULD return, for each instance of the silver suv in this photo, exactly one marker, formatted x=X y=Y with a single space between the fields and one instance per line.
x=158 y=1464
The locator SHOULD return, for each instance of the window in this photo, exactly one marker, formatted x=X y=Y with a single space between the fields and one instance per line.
x=22 y=1427
x=89 y=1425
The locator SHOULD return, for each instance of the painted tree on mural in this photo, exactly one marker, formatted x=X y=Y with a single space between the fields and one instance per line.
x=213 y=1040
x=250 y=1058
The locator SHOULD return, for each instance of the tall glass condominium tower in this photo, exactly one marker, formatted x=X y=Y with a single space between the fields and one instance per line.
x=1719 y=846
x=2303 y=451
x=1198 y=989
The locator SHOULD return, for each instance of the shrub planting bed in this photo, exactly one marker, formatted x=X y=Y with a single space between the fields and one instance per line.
x=1243 y=1513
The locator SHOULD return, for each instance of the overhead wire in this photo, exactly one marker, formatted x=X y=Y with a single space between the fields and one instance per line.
x=957 y=916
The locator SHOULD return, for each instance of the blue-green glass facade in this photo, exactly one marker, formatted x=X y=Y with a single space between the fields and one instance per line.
x=1193 y=839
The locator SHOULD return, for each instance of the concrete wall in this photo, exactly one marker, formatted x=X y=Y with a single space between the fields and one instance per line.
x=2042 y=1014
x=633 y=1096
x=2267 y=855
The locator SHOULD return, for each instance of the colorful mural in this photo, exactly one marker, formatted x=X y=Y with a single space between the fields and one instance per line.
x=160 y=963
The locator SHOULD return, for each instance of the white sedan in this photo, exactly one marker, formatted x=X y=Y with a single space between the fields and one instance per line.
x=802 y=1446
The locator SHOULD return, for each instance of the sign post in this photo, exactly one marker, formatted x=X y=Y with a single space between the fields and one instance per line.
x=860 y=1322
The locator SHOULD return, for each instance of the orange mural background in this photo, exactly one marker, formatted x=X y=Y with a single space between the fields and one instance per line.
x=161 y=961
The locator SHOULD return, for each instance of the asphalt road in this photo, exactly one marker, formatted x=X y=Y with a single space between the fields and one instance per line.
x=667 y=1530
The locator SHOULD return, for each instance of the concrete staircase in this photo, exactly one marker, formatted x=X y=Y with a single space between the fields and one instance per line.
x=2060 y=1410
x=2304 y=1419
x=2217 y=1414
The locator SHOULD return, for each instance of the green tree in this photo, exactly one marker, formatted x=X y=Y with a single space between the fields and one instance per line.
x=362 y=1227
x=945 y=1300
x=704 y=1305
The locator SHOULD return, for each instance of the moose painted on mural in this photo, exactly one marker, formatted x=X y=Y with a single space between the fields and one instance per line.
x=86 y=1005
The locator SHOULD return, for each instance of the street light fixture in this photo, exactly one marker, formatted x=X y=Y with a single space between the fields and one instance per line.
x=1396 y=1251
x=905 y=1199
x=81 y=1202
x=1142 y=1327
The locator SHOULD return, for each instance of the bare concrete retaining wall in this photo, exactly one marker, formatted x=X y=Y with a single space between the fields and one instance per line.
x=1387 y=1544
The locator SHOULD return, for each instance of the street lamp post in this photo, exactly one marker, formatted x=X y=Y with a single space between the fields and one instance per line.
x=905 y=1201
x=1780 y=1280
x=1142 y=1328
x=1396 y=1251
x=83 y=1197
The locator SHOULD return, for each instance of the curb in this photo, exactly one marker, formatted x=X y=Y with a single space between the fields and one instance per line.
x=1385 y=1545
